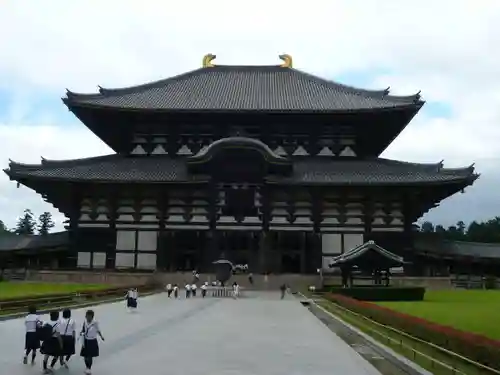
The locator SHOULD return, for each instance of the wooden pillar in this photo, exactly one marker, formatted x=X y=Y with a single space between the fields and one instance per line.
x=316 y=252
x=303 y=253
x=73 y=229
x=211 y=252
x=368 y=211
x=263 y=253
x=161 y=246
x=112 y=216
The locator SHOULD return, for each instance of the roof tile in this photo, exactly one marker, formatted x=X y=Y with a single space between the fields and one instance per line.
x=244 y=88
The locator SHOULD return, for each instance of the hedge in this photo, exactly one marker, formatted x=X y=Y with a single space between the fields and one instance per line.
x=473 y=346
x=380 y=293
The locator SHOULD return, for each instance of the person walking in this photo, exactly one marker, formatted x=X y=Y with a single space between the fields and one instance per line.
x=32 y=324
x=67 y=330
x=90 y=347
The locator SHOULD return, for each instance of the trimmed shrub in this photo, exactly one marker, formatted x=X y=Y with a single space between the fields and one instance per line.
x=476 y=347
x=380 y=293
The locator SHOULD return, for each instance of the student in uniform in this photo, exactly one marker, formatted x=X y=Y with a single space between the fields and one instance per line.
x=204 y=289
x=169 y=290
x=176 y=291
x=52 y=342
x=193 y=289
x=67 y=330
x=236 y=290
x=90 y=346
x=32 y=323
x=188 y=290
x=135 y=297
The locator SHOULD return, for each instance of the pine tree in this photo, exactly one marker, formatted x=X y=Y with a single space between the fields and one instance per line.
x=26 y=223
x=45 y=223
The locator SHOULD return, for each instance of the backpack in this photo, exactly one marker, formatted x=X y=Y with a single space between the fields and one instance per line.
x=45 y=332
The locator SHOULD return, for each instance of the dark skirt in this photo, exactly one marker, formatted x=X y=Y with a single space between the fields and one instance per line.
x=90 y=349
x=131 y=302
x=31 y=341
x=68 y=345
x=51 y=347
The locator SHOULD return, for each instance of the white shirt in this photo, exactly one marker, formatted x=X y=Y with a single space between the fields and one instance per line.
x=90 y=330
x=188 y=287
x=204 y=287
x=66 y=327
x=31 y=322
x=132 y=294
x=236 y=288
x=169 y=286
x=176 y=287
x=193 y=287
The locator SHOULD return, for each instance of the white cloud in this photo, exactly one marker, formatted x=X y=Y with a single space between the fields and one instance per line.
x=448 y=49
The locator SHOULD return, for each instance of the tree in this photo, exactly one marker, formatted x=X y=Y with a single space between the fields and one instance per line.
x=26 y=223
x=3 y=229
x=427 y=227
x=45 y=223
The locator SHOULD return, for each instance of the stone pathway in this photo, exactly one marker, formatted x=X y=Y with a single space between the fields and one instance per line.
x=261 y=336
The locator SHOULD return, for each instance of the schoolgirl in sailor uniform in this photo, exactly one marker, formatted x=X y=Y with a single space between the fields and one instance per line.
x=169 y=290
x=52 y=345
x=193 y=290
x=67 y=330
x=204 y=289
x=32 y=323
x=132 y=299
x=188 y=290
x=176 y=291
x=90 y=346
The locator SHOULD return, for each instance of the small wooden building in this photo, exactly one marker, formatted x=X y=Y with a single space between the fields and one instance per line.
x=274 y=167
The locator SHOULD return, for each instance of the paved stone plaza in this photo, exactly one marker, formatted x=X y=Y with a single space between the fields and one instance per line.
x=260 y=334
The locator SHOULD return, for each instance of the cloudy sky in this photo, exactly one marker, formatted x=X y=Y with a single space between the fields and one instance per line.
x=449 y=49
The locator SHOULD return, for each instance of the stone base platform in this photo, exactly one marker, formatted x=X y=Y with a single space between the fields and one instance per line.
x=261 y=335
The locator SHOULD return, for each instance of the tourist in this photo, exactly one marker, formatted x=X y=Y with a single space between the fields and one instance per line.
x=204 y=289
x=90 y=346
x=32 y=323
x=176 y=291
x=283 y=290
x=132 y=299
x=51 y=342
x=193 y=289
x=67 y=331
x=188 y=290
x=236 y=290
x=169 y=290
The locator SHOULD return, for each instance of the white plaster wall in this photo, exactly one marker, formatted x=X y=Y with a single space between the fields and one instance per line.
x=331 y=243
x=83 y=260
x=352 y=240
x=326 y=262
x=99 y=260
x=146 y=261
x=124 y=260
x=125 y=239
x=147 y=240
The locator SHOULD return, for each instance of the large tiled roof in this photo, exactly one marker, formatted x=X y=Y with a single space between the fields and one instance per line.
x=306 y=170
x=443 y=248
x=244 y=88
x=27 y=242
x=366 y=248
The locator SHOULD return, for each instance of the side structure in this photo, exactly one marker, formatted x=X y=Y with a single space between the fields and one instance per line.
x=274 y=167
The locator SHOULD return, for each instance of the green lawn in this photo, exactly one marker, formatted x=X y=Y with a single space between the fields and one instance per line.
x=468 y=310
x=21 y=289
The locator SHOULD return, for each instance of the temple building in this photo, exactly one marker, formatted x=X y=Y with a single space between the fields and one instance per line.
x=265 y=165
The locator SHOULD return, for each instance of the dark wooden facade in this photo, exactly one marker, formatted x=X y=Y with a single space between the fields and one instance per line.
x=281 y=181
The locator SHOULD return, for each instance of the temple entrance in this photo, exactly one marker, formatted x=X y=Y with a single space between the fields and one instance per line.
x=239 y=247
